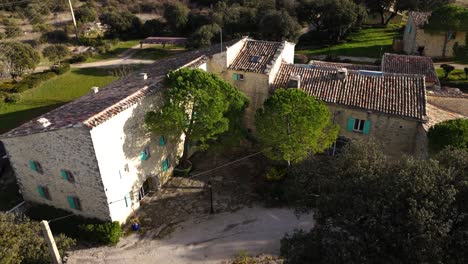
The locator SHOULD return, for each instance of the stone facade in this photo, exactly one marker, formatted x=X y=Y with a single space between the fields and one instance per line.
x=415 y=38
x=396 y=135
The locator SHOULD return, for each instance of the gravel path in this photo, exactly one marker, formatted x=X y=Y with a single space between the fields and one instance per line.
x=209 y=239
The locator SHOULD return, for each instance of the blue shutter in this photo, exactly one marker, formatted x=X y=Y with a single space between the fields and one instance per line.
x=409 y=28
x=32 y=165
x=143 y=155
x=71 y=202
x=41 y=191
x=367 y=126
x=165 y=165
x=162 y=141
x=64 y=175
x=350 y=124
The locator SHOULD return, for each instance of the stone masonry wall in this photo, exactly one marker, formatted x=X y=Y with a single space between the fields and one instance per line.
x=67 y=149
x=434 y=43
x=395 y=135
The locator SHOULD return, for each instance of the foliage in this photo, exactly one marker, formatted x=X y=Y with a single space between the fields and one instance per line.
x=452 y=133
x=204 y=36
x=13 y=31
x=197 y=104
x=12 y=98
x=447 y=69
x=85 y=14
x=123 y=25
x=18 y=58
x=292 y=125
x=448 y=18
x=56 y=36
x=106 y=233
x=61 y=69
x=466 y=72
x=370 y=209
x=384 y=6
x=153 y=27
x=278 y=26
x=32 y=81
x=21 y=241
x=176 y=15
x=56 y=53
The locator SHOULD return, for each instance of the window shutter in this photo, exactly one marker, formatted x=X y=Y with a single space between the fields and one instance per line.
x=162 y=141
x=143 y=155
x=32 y=165
x=64 y=174
x=71 y=202
x=367 y=126
x=235 y=77
x=165 y=165
x=41 y=191
x=350 y=124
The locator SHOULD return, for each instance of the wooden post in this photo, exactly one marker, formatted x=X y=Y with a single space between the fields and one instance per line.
x=51 y=243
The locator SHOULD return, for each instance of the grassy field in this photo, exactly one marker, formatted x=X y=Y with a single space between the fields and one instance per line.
x=455 y=75
x=369 y=42
x=51 y=94
x=115 y=51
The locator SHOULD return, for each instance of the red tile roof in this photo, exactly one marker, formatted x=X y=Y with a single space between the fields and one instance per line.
x=93 y=109
x=394 y=94
x=256 y=55
x=394 y=63
x=349 y=66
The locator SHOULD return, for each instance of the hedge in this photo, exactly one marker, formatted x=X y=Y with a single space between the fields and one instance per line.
x=32 y=81
x=62 y=69
x=106 y=233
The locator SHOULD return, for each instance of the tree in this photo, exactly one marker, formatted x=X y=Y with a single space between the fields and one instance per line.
x=452 y=133
x=278 y=26
x=370 y=209
x=448 y=19
x=292 y=125
x=21 y=241
x=176 y=15
x=204 y=36
x=86 y=14
x=124 y=25
x=447 y=69
x=18 y=58
x=153 y=27
x=393 y=6
x=56 y=53
x=197 y=104
x=466 y=72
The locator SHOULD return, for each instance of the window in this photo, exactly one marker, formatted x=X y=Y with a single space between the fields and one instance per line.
x=238 y=77
x=35 y=166
x=74 y=202
x=145 y=154
x=67 y=175
x=44 y=192
x=255 y=59
x=162 y=141
x=165 y=165
x=359 y=125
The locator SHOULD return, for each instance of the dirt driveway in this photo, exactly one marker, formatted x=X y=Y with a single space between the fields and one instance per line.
x=209 y=239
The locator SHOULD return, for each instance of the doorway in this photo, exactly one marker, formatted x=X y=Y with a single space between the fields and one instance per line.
x=144 y=190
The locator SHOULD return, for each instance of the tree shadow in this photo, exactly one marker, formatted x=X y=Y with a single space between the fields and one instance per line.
x=11 y=120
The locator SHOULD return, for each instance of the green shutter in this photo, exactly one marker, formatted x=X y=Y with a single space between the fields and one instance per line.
x=143 y=155
x=235 y=77
x=162 y=141
x=367 y=125
x=350 y=124
x=71 y=202
x=64 y=174
x=41 y=191
x=32 y=165
x=165 y=165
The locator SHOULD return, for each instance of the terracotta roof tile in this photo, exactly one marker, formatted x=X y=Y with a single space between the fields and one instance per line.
x=349 y=66
x=394 y=63
x=256 y=55
x=401 y=95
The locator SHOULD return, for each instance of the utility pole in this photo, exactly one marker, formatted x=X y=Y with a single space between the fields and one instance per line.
x=50 y=242
x=74 y=20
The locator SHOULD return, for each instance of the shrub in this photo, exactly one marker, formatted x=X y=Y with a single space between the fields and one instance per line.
x=452 y=133
x=61 y=69
x=12 y=98
x=78 y=58
x=447 y=69
x=32 y=81
x=106 y=233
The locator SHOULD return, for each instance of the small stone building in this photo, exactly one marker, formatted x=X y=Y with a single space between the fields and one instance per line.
x=417 y=41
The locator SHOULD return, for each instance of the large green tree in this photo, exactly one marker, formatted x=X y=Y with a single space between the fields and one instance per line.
x=278 y=26
x=21 y=241
x=124 y=25
x=56 y=53
x=176 y=15
x=383 y=7
x=197 y=104
x=452 y=133
x=18 y=58
x=371 y=209
x=293 y=125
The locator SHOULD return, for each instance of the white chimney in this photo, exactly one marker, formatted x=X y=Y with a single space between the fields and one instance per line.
x=342 y=73
x=44 y=122
x=95 y=89
x=144 y=75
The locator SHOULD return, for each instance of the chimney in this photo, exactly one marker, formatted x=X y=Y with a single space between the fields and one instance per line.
x=342 y=73
x=95 y=89
x=44 y=122
x=144 y=75
x=294 y=81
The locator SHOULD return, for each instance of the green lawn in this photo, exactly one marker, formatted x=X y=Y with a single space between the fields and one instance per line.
x=456 y=75
x=51 y=94
x=115 y=51
x=369 y=42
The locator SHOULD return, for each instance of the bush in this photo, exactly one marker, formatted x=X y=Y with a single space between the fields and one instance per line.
x=32 y=81
x=452 y=133
x=12 y=98
x=60 y=69
x=106 y=233
x=78 y=58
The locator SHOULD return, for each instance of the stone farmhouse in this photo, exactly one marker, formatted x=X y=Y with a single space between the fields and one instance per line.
x=417 y=41
x=94 y=157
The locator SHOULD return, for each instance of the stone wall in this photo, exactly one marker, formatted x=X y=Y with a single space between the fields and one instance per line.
x=434 y=43
x=396 y=135
x=67 y=149
x=118 y=145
